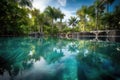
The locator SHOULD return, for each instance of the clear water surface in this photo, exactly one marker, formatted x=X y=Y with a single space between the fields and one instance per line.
x=27 y=58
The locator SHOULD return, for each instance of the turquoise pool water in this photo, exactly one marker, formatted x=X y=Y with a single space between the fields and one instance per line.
x=27 y=58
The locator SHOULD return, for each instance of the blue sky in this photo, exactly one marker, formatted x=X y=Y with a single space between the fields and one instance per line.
x=68 y=7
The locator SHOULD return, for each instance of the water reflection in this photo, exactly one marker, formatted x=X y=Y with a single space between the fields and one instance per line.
x=23 y=58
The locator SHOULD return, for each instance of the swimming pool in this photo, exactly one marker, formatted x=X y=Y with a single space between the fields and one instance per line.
x=28 y=58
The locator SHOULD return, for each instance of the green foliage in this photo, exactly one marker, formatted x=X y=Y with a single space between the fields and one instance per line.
x=93 y=17
x=25 y=3
x=82 y=13
x=54 y=14
x=112 y=20
x=18 y=18
x=73 y=21
x=13 y=18
x=47 y=30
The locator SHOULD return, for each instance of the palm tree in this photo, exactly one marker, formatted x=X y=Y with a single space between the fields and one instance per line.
x=101 y=8
x=41 y=21
x=82 y=13
x=92 y=17
x=35 y=13
x=59 y=14
x=72 y=21
x=27 y=3
x=112 y=20
x=54 y=14
x=50 y=13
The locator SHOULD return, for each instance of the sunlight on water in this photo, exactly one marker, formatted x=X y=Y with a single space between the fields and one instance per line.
x=27 y=58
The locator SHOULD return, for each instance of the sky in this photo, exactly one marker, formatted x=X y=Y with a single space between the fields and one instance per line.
x=68 y=7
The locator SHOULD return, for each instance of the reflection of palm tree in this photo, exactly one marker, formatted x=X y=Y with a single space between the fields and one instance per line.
x=4 y=65
x=53 y=57
x=73 y=47
x=13 y=58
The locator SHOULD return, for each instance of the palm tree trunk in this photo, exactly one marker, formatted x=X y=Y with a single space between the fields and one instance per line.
x=60 y=24
x=52 y=26
x=60 y=20
x=41 y=29
x=84 y=24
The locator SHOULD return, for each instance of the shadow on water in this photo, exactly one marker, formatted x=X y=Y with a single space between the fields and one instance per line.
x=29 y=58
x=110 y=39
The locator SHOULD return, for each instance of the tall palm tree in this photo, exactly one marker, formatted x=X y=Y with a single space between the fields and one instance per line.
x=92 y=17
x=41 y=21
x=82 y=13
x=101 y=7
x=61 y=17
x=35 y=13
x=59 y=14
x=50 y=13
x=54 y=14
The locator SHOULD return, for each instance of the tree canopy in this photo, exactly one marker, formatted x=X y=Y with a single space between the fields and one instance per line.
x=18 y=17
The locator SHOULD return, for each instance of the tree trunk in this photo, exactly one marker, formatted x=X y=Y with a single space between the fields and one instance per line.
x=52 y=27
x=41 y=29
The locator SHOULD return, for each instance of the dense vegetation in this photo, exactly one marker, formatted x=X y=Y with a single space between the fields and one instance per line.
x=18 y=17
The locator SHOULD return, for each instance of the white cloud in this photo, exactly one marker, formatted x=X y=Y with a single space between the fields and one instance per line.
x=41 y=4
x=68 y=14
x=62 y=2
